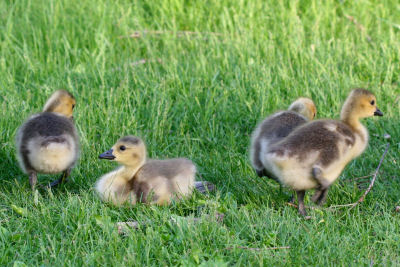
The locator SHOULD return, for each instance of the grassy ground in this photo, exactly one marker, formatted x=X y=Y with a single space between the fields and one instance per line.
x=197 y=96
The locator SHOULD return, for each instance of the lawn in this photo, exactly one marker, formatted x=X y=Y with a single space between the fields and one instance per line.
x=193 y=78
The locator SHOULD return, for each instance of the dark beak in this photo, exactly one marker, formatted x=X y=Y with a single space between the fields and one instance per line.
x=378 y=112
x=107 y=155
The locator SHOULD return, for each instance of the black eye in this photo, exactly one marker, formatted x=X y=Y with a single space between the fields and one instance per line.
x=372 y=102
x=122 y=148
x=73 y=106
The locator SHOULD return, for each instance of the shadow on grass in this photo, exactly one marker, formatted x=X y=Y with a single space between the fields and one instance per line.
x=9 y=168
x=11 y=171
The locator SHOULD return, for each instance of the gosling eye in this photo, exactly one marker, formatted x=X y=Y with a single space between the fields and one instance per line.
x=122 y=148
x=373 y=102
x=73 y=106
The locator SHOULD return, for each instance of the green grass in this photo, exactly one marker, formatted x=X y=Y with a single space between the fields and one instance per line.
x=198 y=97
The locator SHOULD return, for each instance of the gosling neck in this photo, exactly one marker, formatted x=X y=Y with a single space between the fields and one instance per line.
x=351 y=120
x=350 y=116
x=129 y=171
x=354 y=123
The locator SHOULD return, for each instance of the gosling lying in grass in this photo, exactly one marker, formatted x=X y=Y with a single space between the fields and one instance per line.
x=143 y=180
x=48 y=142
x=276 y=127
x=314 y=155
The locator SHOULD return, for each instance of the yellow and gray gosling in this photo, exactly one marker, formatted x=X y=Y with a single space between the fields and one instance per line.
x=48 y=141
x=276 y=127
x=314 y=155
x=143 y=180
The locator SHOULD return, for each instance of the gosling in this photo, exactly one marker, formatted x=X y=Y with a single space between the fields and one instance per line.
x=276 y=127
x=314 y=155
x=48 y=141
x=143 y=180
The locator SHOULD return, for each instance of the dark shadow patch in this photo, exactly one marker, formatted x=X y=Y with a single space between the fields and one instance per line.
x=9 y=167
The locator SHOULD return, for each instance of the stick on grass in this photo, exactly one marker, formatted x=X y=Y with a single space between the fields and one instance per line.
x=359 y=26
x=140 y=34
x=362 y=198
x=257 y=249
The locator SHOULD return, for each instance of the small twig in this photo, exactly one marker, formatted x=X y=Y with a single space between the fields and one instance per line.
x=359 y=25
x=125 y=227
x=183 y=33
x=140 y=34
x=204 y=187
x=340 y=206
x=397 y=26
x=257 y=249
x=139 y=62
x=361 y=199
x=371 y=263
x=295 y=206
x=397 y=99
x=144 y=61
x=357 y=178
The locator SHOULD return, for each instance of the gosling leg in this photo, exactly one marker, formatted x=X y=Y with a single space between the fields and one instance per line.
x=319 y=196
x=63 y=178
x=291 y=199
x=317 y=174
x=33 y=179
x=261 y=173
x=322 y=198
x=300 y=200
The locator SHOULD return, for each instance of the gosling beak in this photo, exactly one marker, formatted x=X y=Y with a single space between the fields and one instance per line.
x=378 y=112
x=107 y=155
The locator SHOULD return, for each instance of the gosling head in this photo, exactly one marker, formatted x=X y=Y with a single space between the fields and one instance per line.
x=360 y=104
x=61 y=102
x=305 y=107
x=129 y=151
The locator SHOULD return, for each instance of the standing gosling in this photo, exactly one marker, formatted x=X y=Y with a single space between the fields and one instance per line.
x=48 y=141
x=314 y=155
x=276 y=127
x=139 y=179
